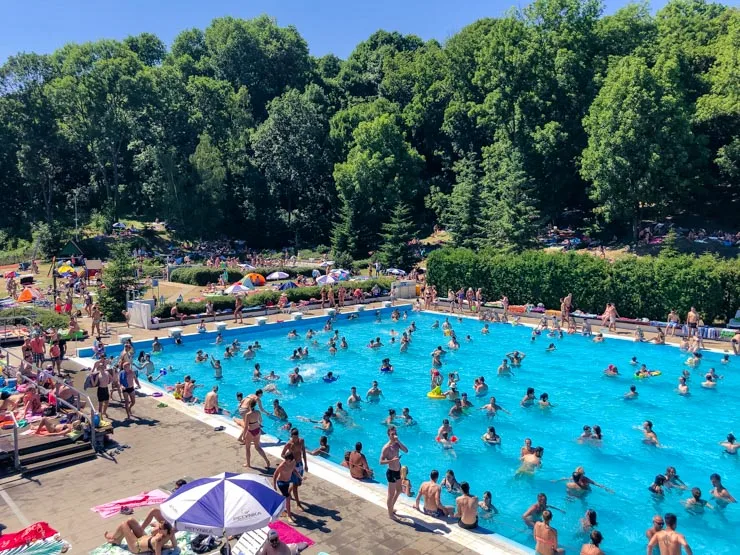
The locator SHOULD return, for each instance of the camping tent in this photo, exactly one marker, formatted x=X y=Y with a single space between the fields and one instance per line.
x=29 y=294
x=71 y=249
x=287 y=285
x=256 y=279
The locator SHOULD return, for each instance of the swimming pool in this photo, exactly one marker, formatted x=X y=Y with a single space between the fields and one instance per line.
x=689 y=428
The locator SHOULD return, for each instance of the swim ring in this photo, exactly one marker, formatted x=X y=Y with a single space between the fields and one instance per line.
x=388 y=369
x=157 y=394
x=332 y=379
x=448 y=333
x=652 y=373
x=436 y=393
x=453 y=439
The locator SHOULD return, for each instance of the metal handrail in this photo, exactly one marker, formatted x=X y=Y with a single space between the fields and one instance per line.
x=16 y=452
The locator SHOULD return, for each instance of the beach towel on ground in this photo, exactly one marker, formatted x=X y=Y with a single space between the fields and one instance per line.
x=37 y=531
x=154 y=497
x=288 y=534
x=183 y=540
x=49 y=546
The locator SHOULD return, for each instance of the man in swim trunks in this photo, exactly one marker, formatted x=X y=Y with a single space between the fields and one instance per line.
x=669 y=541
x=430 y=491
x=719 y=492
x=467 y=508
x=673 y=321
x=391 y=457
x=285 y=475
x=297 y=446
x=210 y=405
x=692 y=321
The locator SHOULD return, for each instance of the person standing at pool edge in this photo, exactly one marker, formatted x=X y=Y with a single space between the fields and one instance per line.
x=390 y=456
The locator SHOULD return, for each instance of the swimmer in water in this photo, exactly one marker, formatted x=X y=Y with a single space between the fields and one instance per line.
x=450 y=483
x=730 y=446
x=408 y=420
x=656 y=487
x=491 y=437
x=709 y=382
x=390 y=419
x=492 y=407
x=292 y=334
x=529 y=398
x=531 y=462
x=485 y=330
x=695 y=504
x=611 y=371
x=465 y=402
x=516 y=358
x=481 y=388
x=295 y=378
x=217 y=369
x=719 y=492
x=200 y=356
x=672 y=479
x=682 y=389
x=544 y=402
x=599 y=338
x=457 y=409
x=486 y=507
x=578 y=483
x=343 y=343
x=631 y=394
x=633 y=361
x=551 y=347
x=651 y=437
x=354 y=399
x=373 y=394
x=725 y=359
x=435 y=325
x=504 y=369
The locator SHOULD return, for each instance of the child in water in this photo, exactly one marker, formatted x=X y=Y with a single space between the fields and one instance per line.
x=406 y=487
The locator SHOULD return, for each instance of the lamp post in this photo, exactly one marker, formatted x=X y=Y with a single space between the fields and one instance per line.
x=77 y=236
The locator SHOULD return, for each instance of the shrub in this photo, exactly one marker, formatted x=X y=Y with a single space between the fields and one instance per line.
x=264 y=297
x=46 y=317
x=640 y=286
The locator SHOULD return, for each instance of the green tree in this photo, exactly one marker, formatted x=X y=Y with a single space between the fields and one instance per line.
x=210 y=187
x=461 y=215
x=510 y=219
x=118 y=278
x=395 y=251
x=637 y=146
x=291 y=147
x=381 y=170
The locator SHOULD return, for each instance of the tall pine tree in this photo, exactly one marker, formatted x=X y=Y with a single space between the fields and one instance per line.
x=395 y=251
x=510 y=218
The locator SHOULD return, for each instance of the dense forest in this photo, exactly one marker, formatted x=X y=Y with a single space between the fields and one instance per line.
x=555 y=113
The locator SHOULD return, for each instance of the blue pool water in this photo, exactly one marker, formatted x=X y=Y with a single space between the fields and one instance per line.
x=688 y=427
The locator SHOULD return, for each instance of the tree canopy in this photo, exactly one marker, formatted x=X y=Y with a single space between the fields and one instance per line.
x=551 y=111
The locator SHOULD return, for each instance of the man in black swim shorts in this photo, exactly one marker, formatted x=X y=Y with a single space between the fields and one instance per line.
x=390 y=456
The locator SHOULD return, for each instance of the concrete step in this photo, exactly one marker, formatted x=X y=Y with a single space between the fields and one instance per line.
x=73 y=458
x=55 y=452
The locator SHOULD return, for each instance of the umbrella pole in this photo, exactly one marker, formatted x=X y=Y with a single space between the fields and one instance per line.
x=226 y=549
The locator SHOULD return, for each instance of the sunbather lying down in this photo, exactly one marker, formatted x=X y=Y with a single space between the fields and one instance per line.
x=138 y=541
x=53 y=428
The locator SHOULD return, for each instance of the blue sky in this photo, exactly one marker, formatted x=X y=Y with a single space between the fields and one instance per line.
x=329 y=26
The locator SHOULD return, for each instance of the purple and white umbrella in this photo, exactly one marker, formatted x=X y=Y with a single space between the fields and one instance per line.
x=224 y=504
x=326 y=280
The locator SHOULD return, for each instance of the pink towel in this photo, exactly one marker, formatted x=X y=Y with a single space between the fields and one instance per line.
x=288 y=534
x=154 y=497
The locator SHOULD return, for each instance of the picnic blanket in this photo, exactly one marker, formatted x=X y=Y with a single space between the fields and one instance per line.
x=37 y=531
x=154 y=497
x=183 y=540
x=288 y=534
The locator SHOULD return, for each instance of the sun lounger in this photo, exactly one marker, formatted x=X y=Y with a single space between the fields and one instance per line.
x=250 y=542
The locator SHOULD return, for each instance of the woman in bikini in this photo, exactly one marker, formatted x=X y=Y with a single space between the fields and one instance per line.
x=546 y=536
x=138 y=541
x=252 y=432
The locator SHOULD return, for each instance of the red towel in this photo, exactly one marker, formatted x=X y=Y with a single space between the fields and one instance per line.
x=35 y=532
x=288 y=534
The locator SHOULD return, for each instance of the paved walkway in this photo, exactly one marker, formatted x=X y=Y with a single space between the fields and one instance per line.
x=166 y=445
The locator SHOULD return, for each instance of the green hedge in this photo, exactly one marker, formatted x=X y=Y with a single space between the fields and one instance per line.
x=202 y=275
x=641 y=287
x=263 y=297
x=46 y=317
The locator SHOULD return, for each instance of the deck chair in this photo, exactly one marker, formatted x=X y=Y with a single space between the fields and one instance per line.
x=250 y=542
